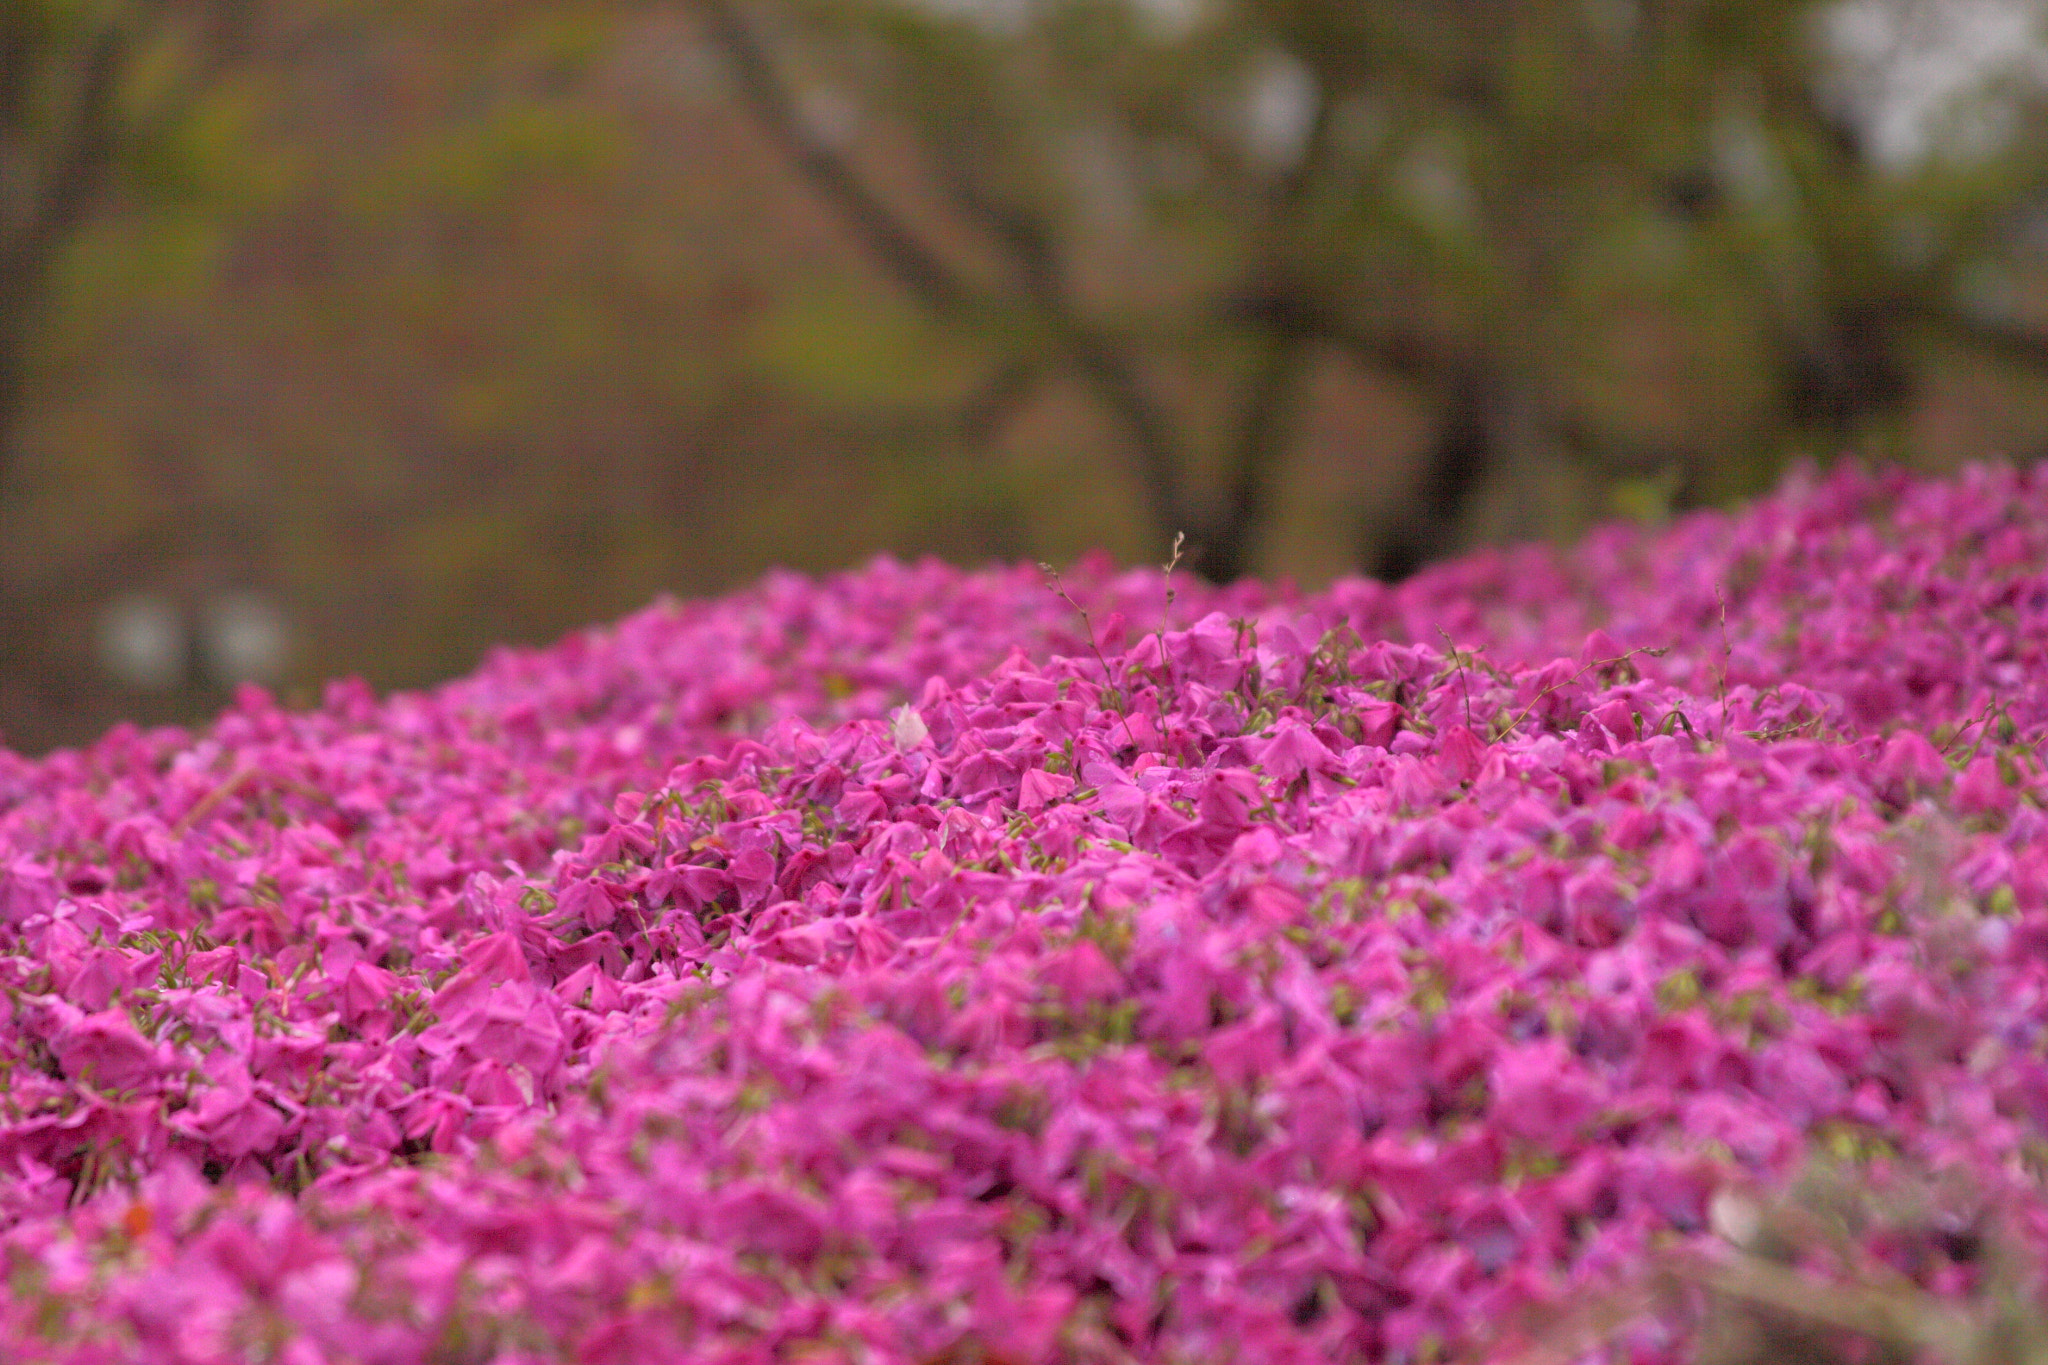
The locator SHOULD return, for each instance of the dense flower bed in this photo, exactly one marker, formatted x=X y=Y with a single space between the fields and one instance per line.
x=902 y=968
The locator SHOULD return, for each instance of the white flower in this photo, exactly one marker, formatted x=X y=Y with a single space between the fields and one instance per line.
x=907 y=727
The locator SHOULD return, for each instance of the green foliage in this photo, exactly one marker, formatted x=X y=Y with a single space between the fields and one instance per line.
x=492 y=161
x=1652 y=242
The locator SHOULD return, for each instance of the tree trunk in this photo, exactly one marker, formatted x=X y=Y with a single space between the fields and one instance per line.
x=1470 y=443
x=1229 y=549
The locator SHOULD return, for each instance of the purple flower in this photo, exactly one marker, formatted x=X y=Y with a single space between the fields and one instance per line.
x=870 y=968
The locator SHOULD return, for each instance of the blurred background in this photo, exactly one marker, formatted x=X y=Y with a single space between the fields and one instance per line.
x=356 y=336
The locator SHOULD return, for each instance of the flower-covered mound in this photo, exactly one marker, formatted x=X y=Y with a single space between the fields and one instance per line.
x=929 y=966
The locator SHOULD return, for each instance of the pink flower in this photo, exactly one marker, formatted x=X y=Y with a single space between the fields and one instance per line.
x=1598 y=910
x=363 y=992
x=664 y=994
x=1541 y=1095
x=1039 y=789
x=230 y=1116
x=1910 y=765
x=1083 y=974
x=1982 y=789
x=1293 y=751
x=105 y=1051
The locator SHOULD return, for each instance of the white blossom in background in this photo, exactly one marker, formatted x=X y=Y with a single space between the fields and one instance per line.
x=995 y=16
x=1164 y=20
x=243 y=637
x=1280 y=100
x=1922 y=77
x=1170 y=20
x=1614 y=22
x=142 y=641
x=1919 y=76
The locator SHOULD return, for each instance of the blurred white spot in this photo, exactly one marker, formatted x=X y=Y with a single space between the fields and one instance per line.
x=1735 y=1217
x=1921 y=77
x=1613 y=22
x=142 y=641
x=244 y=637
x=1280 y=100
x=995 y=16
x=1169 y=19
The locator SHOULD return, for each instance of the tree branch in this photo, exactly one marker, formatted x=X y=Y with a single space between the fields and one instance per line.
x=229 y=25
x=1028 y=247
x=56 y=206
x=982 y=417
x=67 y=191
x=1265 y=430
x=17 y=40
x=1117 y=384
x=1402 y=352
x=1266 y=416
x=926 y=275
x=1612 y=453
x=914 y=264
x=1465 y=449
